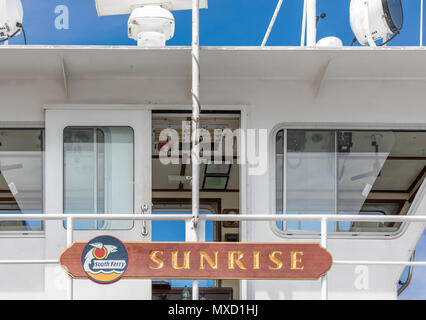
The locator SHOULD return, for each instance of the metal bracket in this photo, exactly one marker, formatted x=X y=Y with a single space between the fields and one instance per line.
x=144 y=209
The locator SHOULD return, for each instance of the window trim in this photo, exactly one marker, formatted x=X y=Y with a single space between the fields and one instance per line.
x=335 y=127
x=25 y=126
x=95 y=127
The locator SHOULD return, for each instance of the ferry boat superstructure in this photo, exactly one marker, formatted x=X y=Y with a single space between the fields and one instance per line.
x=322 y=131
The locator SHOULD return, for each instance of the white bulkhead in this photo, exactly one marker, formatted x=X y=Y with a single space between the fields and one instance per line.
x=273 y=88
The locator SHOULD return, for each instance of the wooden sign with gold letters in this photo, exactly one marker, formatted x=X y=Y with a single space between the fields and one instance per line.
x=177 y=260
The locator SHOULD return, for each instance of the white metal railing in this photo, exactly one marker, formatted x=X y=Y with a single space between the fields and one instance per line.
x=69 y=218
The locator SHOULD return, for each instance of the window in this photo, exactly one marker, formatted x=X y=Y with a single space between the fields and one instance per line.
x=347 y=172
x=310 y=175
x=99 y=174
x=21 y=189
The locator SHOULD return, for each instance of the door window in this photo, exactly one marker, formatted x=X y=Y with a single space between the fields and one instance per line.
x=99 y=174
x=21 y=188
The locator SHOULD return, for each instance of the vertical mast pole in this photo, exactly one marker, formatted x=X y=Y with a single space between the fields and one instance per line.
x=196 y=106
x=421 y=23
x=311 y=35
x=303 y=33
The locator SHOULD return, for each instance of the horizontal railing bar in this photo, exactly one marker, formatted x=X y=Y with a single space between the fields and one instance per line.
x=311 y=217
x=336 y=262
x=215 y=217
x=76 y=217
x=29 y=261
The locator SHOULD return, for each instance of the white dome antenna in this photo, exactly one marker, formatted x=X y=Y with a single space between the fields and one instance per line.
x=372 y=20
x=330 y=42
x=151 y=23
x=11 y=17
x=151 y=26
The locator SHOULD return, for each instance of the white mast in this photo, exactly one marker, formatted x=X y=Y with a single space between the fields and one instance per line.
x=196 y=106
x=311 y=11
x=421 y=23
x=303 y=33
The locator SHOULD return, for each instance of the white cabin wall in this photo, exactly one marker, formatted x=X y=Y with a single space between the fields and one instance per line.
x=270 y=102
x=21 y=281
x=349 y=102
x=22 y=99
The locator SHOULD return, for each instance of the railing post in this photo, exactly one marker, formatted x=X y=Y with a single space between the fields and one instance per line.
x=70 y=291
x=324 y=288
x=192 y=235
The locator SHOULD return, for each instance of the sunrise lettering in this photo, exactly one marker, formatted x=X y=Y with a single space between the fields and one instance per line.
x=159 y=264
x=278 y=263
x=185 y=264
x=209 y=260
x=296 y=259
x=205 y=256
x=256 y=261
x=232 y=260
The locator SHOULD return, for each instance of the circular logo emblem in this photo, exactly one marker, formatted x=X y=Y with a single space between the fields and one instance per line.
x=104 y=259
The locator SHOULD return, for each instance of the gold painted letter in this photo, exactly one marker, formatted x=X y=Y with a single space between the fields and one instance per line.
x=175 y=264
x=275 y=260
x=295 y=260
x=256 y=264
x=232 y=260
x=205 y=256
x=157 y=260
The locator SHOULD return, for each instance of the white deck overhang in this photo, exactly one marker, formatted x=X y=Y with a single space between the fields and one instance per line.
x=280 y=63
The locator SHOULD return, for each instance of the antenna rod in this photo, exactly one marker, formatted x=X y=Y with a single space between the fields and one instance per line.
x=311 y=12
x=303 y=35
x=195 y=123
x=421 y=23
x=271 y=24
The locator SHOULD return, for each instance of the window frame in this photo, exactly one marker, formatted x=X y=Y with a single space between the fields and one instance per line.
x=63 y=173
x=29 y=233
x=329 y=127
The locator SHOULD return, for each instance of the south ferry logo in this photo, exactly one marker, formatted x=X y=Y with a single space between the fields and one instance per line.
x=104 y=259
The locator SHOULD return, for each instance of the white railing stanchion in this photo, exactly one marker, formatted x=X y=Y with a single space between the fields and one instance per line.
x=70 y=291
x=324 y=289
x=191 y=235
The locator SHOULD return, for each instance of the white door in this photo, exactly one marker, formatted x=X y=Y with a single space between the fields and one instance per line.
x=97 y=161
